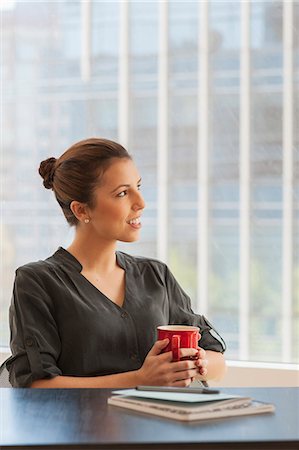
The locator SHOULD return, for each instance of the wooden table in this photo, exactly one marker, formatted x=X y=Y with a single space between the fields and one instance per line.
x=81 y=419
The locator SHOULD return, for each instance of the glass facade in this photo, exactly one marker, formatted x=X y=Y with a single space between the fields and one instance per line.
x=47 y=104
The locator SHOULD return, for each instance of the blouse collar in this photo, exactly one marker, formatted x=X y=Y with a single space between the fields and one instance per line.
x=68 y=258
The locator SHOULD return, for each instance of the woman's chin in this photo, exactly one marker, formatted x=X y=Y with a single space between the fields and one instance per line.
x=129 y=238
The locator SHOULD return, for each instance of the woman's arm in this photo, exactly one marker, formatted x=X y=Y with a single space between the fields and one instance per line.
x=119 y=380
x=157 y=370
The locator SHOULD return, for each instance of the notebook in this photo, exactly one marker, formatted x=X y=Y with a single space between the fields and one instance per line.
x=188 y=407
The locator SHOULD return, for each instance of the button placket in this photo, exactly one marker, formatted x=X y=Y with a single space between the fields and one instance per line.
x=29 y=342
x=133 y=355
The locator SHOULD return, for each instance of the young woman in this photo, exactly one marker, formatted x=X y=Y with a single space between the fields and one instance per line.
x=87 y=315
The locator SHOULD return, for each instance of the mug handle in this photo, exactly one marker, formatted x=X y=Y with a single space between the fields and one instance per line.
x=175 y=347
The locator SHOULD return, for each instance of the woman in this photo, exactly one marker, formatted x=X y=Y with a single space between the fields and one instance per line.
x=87 y=315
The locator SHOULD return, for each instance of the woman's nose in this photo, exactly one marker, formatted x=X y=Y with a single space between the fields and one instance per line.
x=139 y=202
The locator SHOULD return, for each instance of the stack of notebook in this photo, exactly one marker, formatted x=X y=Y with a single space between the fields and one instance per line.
x=187 y=404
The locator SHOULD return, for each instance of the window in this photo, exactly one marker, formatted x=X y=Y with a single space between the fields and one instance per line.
x=206 y=97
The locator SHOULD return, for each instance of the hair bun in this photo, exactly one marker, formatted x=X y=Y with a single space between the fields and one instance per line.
x=46 y=171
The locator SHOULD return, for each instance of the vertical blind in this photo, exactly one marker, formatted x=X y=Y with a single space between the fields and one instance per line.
x=205 y=96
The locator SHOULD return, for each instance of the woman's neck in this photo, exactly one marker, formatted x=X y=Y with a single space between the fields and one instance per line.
x=94 y=255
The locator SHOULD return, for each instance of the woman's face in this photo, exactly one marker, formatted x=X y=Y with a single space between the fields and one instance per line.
x=118 y=203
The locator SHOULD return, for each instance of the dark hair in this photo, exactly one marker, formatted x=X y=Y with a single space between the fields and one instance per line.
x=76 y=173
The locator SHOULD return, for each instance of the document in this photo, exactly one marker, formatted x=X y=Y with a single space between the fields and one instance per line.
x=188 y=407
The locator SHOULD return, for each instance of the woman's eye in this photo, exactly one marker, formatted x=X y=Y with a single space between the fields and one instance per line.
x=122 y=194
x=139 y=187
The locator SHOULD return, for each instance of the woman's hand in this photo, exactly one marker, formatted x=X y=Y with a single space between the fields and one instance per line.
x=158 y=368
x=202 y=362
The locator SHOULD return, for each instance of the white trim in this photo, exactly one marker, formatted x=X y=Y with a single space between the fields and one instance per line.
x=162 y=145
x=86 y=29
x=262 y=365
x=123 y=76
x=287 y=237
x=259 y=374
x=5 y=350
x=244 y=180
x=203 y=159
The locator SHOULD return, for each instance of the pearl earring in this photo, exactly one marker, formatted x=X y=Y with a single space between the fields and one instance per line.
x=86 y=220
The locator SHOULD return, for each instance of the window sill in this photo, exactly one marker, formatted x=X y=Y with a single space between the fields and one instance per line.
x=259 y=374
x=4 y=353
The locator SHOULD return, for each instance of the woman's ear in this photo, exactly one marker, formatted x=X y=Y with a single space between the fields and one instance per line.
x=79 y=210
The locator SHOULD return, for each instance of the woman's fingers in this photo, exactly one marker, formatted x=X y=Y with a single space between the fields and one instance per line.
x=203 y=371
x=183 y=365
x=184 y=353
x=158 y=347
x=202 y=366
x=184 y=377
x=185 y=374
x=191 y=353
x=188 y=352
x=201 y=353
x=165 y=357
x=201 y=362
x=159 y=368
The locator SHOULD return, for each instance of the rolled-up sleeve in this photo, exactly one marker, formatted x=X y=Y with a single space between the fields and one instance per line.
x=35 y=342
x=182 y=313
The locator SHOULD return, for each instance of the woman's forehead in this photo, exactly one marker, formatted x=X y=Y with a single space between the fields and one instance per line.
x=121 y=171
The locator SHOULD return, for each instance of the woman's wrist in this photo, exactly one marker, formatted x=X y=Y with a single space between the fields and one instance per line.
x=139 y=377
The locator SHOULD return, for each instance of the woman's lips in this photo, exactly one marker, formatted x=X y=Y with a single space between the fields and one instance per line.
x=135 y=223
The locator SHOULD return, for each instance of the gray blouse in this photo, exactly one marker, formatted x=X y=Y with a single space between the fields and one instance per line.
x=61 y=324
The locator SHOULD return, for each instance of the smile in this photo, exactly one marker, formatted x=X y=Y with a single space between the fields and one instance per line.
x=135 y=221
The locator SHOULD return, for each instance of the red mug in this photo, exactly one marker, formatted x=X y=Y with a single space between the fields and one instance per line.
x=180 y=336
